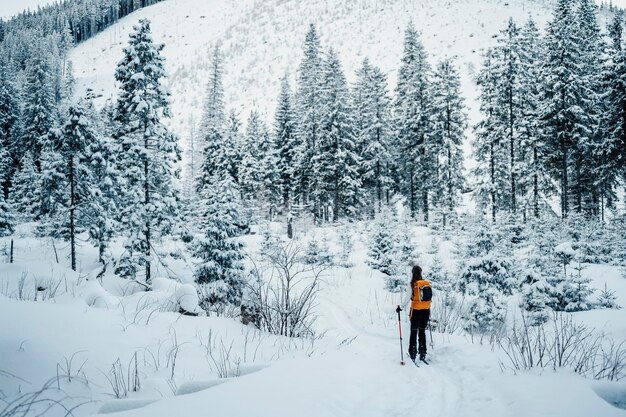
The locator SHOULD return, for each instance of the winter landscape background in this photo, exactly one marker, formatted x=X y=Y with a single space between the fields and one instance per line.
x=210 y=206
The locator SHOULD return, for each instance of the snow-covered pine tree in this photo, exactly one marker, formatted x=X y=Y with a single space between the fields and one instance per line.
x=7 y=221
x=383 y=251
x=308 y=96
x=488 y=148
x=272 y=195
x=607 y=298
x=25 y=190
x=534 y=181
x=488 y=281
x=77 y=135
x=6 y=166
x=566 y=119
x=213 y=123
x=535 y=289
x=412 y=120
x=507 y=112
x=317 y=252
x=9 y=128
x=448 y=133
x=232 y=140
x=346 y=245
x=373 y=133
x=148 y=150
x=220 y=273
x=587 y=185
x=612 y=153
x=577 y=290
x=286 y=144
x=105 y=198
x=336 y=163
x=252 y=153
x=39 y=108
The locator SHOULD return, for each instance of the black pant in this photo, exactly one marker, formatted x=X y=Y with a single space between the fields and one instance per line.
x=419 y=321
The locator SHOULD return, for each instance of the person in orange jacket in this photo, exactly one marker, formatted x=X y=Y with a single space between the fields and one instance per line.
x=419 y=293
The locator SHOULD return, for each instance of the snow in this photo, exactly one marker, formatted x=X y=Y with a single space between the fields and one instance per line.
x=352 y=369
x=80 y=334
x=565 y=249
x=123 y=405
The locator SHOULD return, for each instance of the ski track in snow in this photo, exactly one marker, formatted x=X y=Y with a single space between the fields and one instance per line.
x=446 y=388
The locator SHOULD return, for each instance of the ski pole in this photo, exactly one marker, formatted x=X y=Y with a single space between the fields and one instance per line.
x=398 y=310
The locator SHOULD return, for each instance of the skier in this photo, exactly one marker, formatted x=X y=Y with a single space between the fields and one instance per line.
x=419 y=293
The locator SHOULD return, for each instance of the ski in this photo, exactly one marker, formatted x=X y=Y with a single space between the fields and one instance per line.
x=424 y=360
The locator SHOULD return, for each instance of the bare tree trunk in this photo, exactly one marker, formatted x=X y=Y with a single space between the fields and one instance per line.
x=512 y=144
x=146 y=173
x=535 y=186
x=425 y=203
x=564 y=180
x=72 y=213
x=412 y=191
x=379 y=187
x=492 y=164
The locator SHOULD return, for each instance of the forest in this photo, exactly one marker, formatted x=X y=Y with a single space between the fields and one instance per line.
x=553 y=130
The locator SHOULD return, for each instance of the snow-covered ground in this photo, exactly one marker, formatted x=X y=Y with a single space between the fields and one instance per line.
x=80 y=328
x=86 y=338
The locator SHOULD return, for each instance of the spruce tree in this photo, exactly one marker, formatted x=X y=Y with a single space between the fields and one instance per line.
x=272 y=194
x=9 y=128
x=336 y=163
x=105 y=198
x=77 y=136
x=38 y=118
x=508 y=96
x=587 y=158
x=488 y=147
x=613 y=152
x=373 y=132
x=252 y=152
x=383 y=252
x=148 y=150
x=220 y=273
x=534 y=181
x=232 y=144
x=448 y=133
x=413 y=114
x=286 y=143
x=25 y=190
x=565 y=113
x=308 y=105
x=7 y=221
x=213 y=123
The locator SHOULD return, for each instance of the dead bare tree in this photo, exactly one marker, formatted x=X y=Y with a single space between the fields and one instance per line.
x=281 y=292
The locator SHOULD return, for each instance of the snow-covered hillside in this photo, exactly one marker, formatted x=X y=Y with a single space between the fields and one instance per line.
x=262 y=40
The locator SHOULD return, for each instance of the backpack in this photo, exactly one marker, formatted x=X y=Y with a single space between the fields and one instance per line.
x=426 y=293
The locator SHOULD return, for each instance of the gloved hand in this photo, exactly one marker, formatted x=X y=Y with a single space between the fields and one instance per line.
x=398 y=309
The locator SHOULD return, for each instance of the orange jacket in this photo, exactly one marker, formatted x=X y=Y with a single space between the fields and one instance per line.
x=417 y=303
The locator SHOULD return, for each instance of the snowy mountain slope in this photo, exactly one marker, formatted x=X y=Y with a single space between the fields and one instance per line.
x=262 y=40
